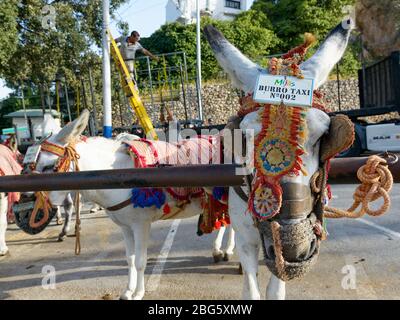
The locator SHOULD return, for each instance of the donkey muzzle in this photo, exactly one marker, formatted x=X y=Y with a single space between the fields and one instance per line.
x=290 y=244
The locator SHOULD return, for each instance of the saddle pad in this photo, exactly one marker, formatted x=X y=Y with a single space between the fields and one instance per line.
x=9 y=166
x=194 y=151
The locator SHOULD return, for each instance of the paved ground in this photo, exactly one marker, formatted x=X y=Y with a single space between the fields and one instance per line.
x=370 y=245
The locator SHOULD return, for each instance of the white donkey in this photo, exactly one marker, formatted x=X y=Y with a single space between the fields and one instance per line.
x=244 y=74
x=99 y=153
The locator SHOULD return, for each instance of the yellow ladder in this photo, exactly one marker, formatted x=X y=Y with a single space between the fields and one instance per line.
x=131 y=92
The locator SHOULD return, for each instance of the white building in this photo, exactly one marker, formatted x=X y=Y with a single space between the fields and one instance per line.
x=33 y=123
x=185 y=10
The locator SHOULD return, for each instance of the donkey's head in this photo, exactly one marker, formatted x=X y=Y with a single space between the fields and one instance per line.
x=291 y=230
x=54 y=148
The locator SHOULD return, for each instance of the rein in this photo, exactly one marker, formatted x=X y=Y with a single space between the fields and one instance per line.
x=67 y=156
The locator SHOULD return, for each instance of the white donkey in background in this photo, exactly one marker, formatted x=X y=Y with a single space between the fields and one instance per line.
x=244 y=74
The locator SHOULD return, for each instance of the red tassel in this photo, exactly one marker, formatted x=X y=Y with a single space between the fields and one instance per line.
x=166 y=209
x=217 y=225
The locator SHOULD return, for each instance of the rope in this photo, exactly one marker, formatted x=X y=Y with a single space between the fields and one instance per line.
x=41 y=202
x=376 y=181
x=77 y=224
x=70 y=155
x=64 y=164
x=279 y=259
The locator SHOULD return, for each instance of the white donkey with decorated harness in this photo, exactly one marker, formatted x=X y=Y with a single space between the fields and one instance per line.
x=284 y=213
x=100 y=153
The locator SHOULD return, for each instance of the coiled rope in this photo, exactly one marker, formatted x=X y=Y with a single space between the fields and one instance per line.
x=376 y=182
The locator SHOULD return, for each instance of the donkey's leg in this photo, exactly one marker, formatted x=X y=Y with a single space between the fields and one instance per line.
x=248 y=253
x=69 y=209
x=230 y=244
x=276 y=289
x=217 y=253
x=130 y=258
x=59 y=218
x=3 y=223
x=141 y=231
x=247 y=240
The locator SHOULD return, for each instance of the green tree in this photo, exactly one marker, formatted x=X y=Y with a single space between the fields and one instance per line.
x=249 y=32
x=8 y=31
x=33 y=53
x=290 y=19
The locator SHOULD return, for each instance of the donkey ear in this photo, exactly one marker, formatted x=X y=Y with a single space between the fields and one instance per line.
x=241 y=70
x=329 y=53
x=73 y=129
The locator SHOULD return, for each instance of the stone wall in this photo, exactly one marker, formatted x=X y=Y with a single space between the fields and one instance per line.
x=220 y=101
x=349 y=94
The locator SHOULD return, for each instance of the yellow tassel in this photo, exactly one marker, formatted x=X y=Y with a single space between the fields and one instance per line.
x=309 y=40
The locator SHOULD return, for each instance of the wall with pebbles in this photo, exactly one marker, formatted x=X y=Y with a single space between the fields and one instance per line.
x=220 y=101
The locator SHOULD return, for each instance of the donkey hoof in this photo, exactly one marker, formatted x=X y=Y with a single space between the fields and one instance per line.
x=138 y=296
x=61 y=238
x=218 y=257
x=4 y=252
x=127 y=295
x=227 y=256
x=240 y=270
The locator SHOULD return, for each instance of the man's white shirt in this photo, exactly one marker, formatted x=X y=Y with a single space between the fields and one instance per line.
x=128 y=50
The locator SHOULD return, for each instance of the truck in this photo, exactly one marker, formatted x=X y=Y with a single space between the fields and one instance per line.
x=379 y=91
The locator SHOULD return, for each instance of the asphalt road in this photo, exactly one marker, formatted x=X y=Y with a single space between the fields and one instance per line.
x=370 y=247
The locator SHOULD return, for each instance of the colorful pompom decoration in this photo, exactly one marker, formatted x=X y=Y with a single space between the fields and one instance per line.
x=218 y=193
x=167 y=209
x=147 y=197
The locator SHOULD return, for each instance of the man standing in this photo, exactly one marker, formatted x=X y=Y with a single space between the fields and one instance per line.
x=129 y=46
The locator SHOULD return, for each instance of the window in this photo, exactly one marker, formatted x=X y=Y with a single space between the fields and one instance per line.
x=232 y=4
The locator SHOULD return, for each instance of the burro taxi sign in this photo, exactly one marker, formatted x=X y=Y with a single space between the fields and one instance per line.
x=290 y=91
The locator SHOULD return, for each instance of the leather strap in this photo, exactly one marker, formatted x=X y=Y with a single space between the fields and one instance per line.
x=120 y=205
x=239 y=191
x=297 y=201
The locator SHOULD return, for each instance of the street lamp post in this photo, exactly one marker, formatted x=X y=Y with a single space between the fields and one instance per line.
x=107 y=120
